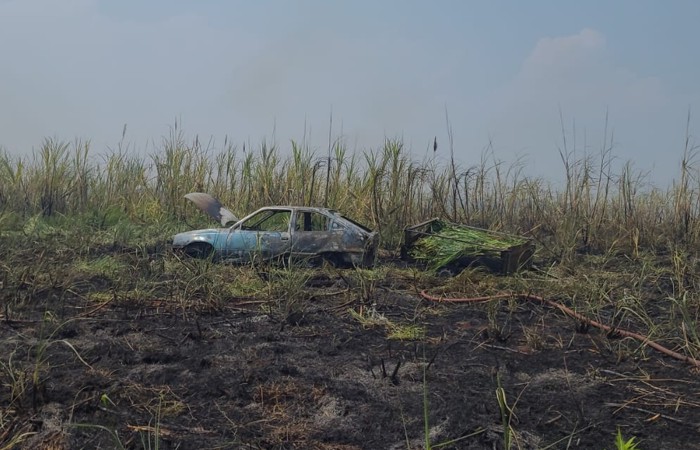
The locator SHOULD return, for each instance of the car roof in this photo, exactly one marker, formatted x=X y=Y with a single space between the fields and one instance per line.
x=300 y=208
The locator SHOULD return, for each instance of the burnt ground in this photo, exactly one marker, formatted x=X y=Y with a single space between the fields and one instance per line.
x=149 y=374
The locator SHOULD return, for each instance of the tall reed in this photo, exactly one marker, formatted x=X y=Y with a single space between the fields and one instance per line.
x=597 y=209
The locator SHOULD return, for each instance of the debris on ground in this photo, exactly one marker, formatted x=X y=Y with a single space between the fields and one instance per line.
x=439 y=245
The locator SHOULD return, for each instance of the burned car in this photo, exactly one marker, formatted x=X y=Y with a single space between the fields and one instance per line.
x=279 y=233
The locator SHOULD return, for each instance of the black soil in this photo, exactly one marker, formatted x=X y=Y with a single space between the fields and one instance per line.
x=244 y=375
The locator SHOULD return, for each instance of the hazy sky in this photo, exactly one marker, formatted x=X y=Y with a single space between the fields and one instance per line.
x=503 y=70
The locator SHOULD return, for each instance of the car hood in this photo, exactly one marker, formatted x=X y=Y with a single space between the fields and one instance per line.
x=212 y=206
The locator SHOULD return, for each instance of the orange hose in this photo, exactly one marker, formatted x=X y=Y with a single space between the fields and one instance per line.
x=571 y=313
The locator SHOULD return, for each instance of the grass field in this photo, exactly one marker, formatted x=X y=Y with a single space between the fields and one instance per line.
x=112 y=341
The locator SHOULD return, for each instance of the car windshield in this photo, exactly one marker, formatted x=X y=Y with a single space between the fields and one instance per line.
x=268 y=220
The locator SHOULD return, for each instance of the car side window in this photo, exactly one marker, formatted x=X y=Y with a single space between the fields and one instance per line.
x=268 y=221
x=312 y=221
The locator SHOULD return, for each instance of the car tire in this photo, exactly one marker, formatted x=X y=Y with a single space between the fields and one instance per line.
x=337 y=259
x=199 y=250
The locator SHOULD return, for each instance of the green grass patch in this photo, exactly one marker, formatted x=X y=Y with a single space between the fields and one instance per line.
x=370 y=318
x=406 y=332
x=105 y=266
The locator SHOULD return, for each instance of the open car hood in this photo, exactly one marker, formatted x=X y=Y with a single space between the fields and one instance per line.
x=212 y=206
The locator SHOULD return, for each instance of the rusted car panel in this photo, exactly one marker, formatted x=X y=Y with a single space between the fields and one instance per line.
x=280 y=232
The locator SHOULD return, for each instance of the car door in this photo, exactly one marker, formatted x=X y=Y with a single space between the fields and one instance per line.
x=313 y=234
x=241 y=244
x=264 y=234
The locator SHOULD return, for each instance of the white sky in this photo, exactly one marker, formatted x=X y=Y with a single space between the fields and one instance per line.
x=503 y=70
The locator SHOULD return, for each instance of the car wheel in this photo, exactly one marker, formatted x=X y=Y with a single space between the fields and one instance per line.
x=339 y=260
x=199 y=250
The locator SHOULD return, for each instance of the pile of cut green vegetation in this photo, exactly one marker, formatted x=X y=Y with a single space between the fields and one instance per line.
x=446 y=243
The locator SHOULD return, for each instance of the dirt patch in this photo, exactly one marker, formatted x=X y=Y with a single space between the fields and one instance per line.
x=245 y=375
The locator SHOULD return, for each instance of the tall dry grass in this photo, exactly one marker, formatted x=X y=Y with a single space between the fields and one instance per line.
x=598 y=208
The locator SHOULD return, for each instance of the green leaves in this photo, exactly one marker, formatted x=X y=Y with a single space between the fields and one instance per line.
x=449 y=242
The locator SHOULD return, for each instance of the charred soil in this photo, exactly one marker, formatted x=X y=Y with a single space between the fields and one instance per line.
x=346 y=362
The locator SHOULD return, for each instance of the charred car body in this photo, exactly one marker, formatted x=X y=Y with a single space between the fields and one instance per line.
x=279 y=232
